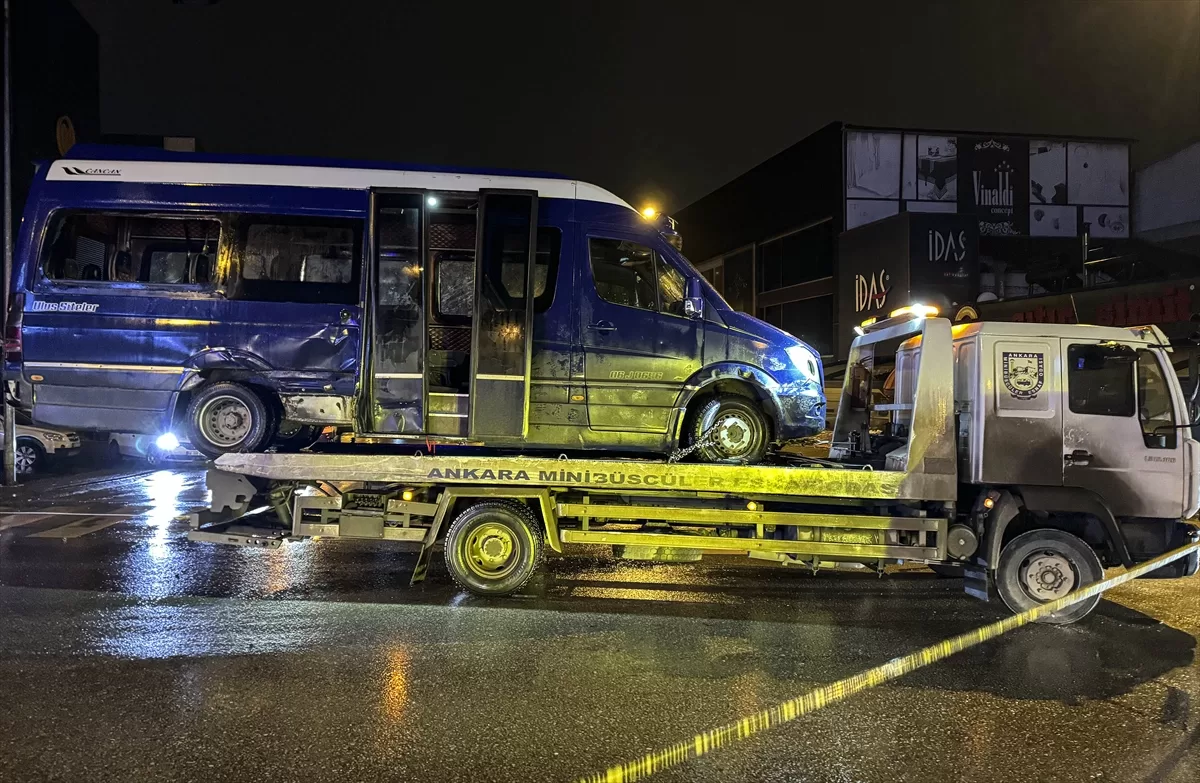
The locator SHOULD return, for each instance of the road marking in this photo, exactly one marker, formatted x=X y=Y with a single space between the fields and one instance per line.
x=88 y=523
x=21 y=518
x=80 y=527
x=40 y=514
x=744 y=728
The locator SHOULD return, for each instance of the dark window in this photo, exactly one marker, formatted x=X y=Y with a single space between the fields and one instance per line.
x=812 y=321
x=301 y=260
x=739 y=276
x=807 y=255
x=770 y=265
x=716 y=277
x=456 y=276
x=1156 y=411
x=772 y=315
x=1100 y=380
x=97 y=247
x=624 y=272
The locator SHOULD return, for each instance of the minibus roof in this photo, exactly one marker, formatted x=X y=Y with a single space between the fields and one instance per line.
x=90 y=162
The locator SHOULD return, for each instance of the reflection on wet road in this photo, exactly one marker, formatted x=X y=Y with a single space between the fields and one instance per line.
x=127 y=652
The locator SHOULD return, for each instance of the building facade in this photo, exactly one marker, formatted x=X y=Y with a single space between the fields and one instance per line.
x=852 y=222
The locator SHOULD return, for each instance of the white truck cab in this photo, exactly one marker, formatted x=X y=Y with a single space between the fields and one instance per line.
x=1065 y=435
x=1088 y=408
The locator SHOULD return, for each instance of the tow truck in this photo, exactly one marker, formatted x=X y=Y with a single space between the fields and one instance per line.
x=1028 y=456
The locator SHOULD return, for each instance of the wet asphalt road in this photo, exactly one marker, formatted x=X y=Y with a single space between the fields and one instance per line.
x=128 y=653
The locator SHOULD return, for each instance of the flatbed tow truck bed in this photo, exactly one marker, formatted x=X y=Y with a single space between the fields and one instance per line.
x=811 y=514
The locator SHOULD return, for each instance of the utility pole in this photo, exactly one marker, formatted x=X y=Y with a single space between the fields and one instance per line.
x=10 y=424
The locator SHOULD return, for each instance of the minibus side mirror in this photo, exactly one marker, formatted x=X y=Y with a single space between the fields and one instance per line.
x=693 y=305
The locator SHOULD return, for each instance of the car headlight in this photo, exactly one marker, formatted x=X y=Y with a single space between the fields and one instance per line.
x=53 y=436
x=806 y=361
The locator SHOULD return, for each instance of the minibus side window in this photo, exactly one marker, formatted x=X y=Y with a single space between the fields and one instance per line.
x=633 y=275
x=624 y=273
x=300 y=260
x=456 y=276
x=125 y=248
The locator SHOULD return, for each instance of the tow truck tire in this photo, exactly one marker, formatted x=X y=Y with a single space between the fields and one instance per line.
x=742 y=433
x=493 y=547
x=1042 y=565
x=225 y=418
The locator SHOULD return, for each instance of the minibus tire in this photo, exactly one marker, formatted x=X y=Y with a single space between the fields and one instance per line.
x=1054 y=554
x=748 y=414
x=476 y=543
x=258 y=431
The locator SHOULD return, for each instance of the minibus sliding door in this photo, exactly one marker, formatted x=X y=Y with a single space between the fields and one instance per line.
x=501 y=339
x=395 y=391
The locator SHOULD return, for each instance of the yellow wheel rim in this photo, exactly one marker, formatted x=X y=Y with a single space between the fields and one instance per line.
x=489 y=551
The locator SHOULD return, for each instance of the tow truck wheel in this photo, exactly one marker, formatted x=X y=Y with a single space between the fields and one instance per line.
x=1042 y=565
x=227 y=417
x=734 y=429
x=493 y=547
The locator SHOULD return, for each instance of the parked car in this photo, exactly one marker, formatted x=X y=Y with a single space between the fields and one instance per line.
x=38 y=445
x=148 y=447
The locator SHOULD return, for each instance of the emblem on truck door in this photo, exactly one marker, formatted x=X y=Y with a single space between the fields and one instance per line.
x=1024 y=373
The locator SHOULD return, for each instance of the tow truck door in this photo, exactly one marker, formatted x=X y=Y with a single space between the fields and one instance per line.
x=1120 y=438
x=502 y=326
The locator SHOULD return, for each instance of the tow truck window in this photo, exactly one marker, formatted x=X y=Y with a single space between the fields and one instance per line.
x=1100 y=380
x=116 y=248
x=1156 y=411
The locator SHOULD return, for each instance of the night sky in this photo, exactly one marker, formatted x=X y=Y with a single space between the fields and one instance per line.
x=659 y=102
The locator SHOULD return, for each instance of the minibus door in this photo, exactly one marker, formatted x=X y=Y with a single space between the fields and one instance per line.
x=395 y=390
x=501 y=330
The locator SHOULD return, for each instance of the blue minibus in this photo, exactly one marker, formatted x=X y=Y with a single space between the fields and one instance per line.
x=236 y=301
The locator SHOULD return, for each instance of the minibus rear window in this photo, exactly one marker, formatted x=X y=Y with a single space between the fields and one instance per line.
x=126 y=248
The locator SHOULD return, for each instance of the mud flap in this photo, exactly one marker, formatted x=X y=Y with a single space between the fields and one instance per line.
x=444 y=502
x=977 y=581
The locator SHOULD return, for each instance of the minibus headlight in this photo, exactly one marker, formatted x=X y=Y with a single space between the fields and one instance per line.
x=805 y=361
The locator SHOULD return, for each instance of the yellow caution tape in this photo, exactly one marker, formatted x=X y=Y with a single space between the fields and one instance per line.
x=705 y=742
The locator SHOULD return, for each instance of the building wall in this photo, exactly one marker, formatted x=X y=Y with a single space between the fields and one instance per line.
x=54 y=72
x=1167 y=207
x=797 y=186
x=766 y=239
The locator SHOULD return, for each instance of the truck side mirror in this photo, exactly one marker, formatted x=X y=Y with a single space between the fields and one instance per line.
x=693 y=305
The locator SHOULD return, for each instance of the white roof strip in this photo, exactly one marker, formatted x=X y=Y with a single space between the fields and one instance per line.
x=188 y=173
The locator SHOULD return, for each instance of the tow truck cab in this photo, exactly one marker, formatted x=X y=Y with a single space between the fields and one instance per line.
x=1080 y=428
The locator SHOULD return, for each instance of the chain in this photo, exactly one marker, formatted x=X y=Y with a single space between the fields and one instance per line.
x=705 y=439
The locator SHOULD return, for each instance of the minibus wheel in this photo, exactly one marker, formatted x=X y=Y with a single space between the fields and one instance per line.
x=731 y=428
x=1046 y=564
x=227 y=417
x=493 y=547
